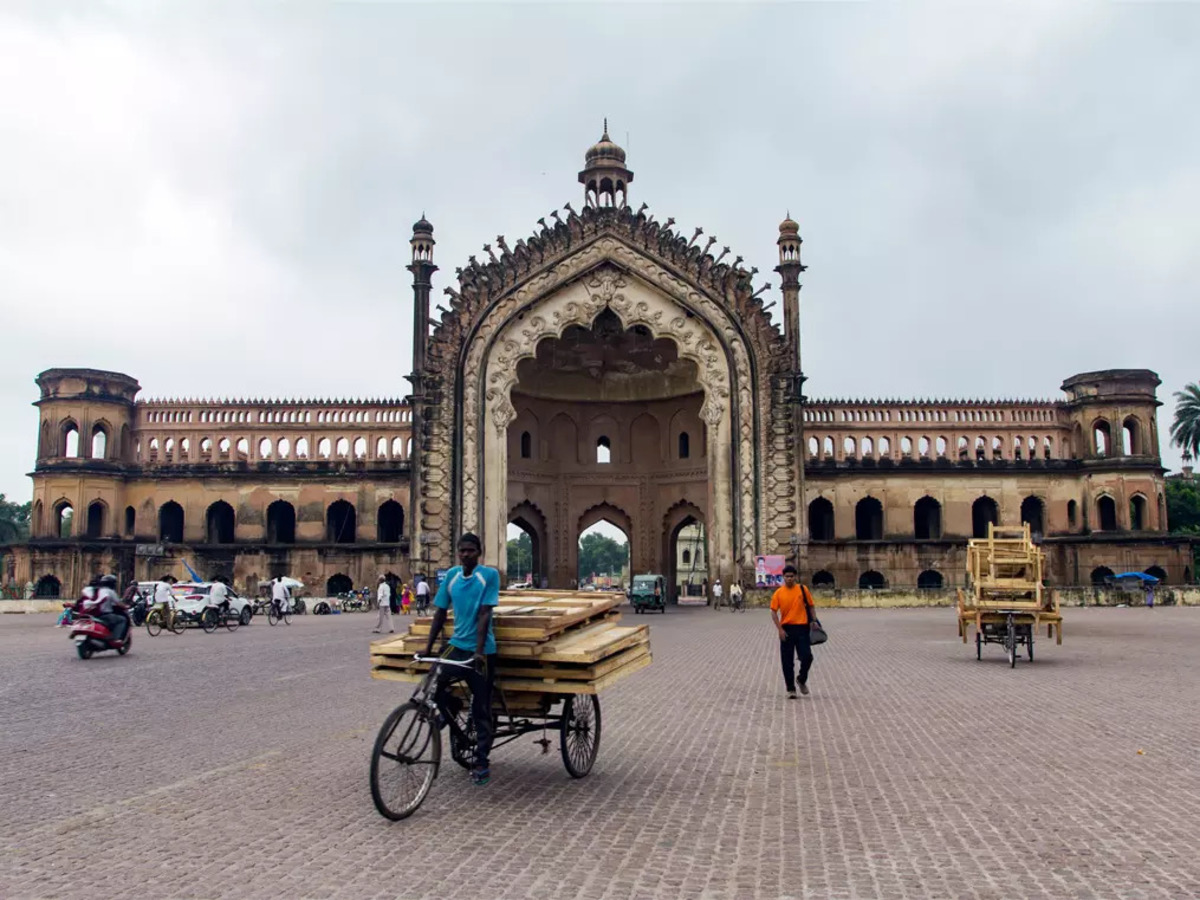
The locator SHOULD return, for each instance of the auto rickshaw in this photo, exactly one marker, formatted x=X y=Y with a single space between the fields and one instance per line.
x=648 y=592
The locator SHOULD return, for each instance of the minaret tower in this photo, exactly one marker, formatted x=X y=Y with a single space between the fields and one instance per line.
x=422 y=269
x=604 y=177
x=789 y=270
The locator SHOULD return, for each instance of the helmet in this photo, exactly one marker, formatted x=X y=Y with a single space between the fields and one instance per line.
x=108 y=581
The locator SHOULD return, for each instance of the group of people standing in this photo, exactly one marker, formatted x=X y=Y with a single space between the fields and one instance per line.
x=395 y=597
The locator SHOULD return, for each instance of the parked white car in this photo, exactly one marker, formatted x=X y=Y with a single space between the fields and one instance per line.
x=191 y=597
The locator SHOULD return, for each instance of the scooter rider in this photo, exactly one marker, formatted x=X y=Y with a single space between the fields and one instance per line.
x=103 y=606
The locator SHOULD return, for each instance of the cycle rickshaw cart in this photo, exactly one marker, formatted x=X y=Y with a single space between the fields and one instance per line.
x=1006 y=601
x=555 y=654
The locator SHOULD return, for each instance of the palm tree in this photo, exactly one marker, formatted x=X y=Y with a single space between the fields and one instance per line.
x=1185 y=430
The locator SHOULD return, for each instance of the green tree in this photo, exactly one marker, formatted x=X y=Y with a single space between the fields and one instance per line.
x=599 y=554
x=1185 y=429
x=14 y=521
x=520 y=557
x=1183 y=505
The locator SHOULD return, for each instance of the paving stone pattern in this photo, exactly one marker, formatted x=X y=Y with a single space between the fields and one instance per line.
x=235 y=765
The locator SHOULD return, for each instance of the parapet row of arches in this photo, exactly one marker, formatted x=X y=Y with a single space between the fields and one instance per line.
x=978 y=447
x=220 y=522
x=276 y=416
x=927 y=520
x=817 y=414
x=166 y=448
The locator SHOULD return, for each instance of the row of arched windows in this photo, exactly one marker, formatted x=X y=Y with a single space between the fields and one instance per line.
x=604 y=447
x=924 y=447
x=220 y=522
x=930 y=579
x=168 y=449
x=1132 y=438
x=278 y=416
x=927 y=517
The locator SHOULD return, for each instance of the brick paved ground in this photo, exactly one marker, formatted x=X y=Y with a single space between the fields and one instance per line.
x=239 y=769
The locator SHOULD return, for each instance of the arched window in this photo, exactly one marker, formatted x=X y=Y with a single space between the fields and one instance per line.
x=871 y=581
x=927 y=519
x=849 y=448
x=1099 y=574
x=99 y=442
x=866 y=448
x=64 y=518
x=301 y=448
x=223 y=446
x=397 y=448
x=1033 y=512
x=906 y=446
x=930 y=580
x=389 y=522
x=814 y=448
x=1102 y=437
x=984 y=511
x=1072 y=512
x=338 y=584
x=130 y=521
x=885 y=448
x=823 y=580
x=923 y=447
x=603 y=450
x=284 y=448
x=70 y=440
x=170 y=522
x=219 y=523
x=868 y=519
x=687 y=557
x=281 y=523
x=243 y=448
x=1137 y=513
x=324 y=448
x=340 y=522
x=1157 y=572
x=1106 y=510
x=381 y=448
x=95 y=519
x=343 y=448
x=526 y=445
x=820 y=520
x=685 y=448
x=1131 y=437
x=360 y=448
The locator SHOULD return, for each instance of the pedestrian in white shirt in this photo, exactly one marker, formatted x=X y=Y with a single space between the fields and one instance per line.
x=218 y=596
x=422 y=596
x=385 y=607
x=717 y=593
x=164 y=599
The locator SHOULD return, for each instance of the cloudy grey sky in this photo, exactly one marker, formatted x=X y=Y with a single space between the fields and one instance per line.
x=217 y=198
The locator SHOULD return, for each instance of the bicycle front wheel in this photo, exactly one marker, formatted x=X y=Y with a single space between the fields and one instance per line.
x=232 y=621
x=154 y=623
x=287 y=617
x=407 y=754
x=178 y=622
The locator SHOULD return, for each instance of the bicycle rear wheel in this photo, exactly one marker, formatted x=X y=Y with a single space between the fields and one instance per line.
x=178 y=622
x=208 y=620
x=404 y=762
x=287 y=617
x=272 y=616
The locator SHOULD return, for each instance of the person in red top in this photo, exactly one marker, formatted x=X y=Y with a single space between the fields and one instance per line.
x=790 y=608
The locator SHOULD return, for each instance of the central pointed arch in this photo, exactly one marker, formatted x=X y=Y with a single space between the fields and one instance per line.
x=608 y=287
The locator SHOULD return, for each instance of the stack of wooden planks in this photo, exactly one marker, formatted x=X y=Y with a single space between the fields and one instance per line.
x=546 y=643
x=1005 y=568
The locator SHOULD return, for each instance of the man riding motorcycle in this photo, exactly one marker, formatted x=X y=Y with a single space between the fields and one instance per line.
x=101 y=605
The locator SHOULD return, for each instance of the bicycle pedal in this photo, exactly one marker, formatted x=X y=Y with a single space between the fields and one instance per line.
x=545 y=742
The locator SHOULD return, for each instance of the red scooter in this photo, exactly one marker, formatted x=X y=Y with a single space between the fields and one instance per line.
x=93 y=636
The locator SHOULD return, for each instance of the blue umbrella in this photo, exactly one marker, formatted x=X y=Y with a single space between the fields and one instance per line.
x=1141 y=576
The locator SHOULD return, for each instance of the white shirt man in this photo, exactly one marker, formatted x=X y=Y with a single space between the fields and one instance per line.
x=218 y=595
x=163 y=595
x=280 y=595
x=385 y=607
x=422 y=594
x=717 y=592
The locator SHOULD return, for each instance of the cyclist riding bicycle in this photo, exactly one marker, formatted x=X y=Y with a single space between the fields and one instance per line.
x=280 y=596
x=218 y=596
x=473 y=590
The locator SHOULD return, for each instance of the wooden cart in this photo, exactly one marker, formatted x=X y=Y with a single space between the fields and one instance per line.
x=556 y=652
x=1005 y=600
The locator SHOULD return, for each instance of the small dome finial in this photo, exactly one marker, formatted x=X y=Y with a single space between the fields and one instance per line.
x=605 y=128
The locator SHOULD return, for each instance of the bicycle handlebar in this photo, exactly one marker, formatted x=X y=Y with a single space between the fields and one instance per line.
x=438 y=660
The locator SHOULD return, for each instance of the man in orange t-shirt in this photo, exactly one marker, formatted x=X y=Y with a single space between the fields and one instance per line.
x=790 y=606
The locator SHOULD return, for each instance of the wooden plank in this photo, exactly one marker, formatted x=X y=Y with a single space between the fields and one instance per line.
x=597 y=646
x=523 y=669
x=530 y=685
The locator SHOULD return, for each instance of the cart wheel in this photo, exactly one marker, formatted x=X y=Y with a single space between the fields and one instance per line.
x=580 y=735
x=463 y=751
x=1010 y=643
x=978 y=645
x=1029 y=646
x=408 y=751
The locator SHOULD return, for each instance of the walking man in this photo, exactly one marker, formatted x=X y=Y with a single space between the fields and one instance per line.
x=718 y=592
x=385 y=607
x=791 y=608
x=422 y=595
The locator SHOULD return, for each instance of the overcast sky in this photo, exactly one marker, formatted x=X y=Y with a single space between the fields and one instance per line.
x=217 y=198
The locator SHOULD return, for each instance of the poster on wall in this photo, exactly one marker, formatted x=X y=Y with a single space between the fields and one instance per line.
x=768 y=571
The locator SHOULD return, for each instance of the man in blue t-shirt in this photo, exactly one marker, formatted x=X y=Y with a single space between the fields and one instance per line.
x=474 y=590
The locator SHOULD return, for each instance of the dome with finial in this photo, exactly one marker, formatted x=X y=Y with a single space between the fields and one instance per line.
x=604 y=150
x=789 y=225
x=422 y=225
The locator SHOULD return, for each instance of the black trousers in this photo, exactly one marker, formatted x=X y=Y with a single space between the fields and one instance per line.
x=481 y=685
x=796 y=644
x=114 y=622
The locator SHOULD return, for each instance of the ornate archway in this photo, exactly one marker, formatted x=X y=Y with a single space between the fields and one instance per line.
x=627 y=294
x=529 y=519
